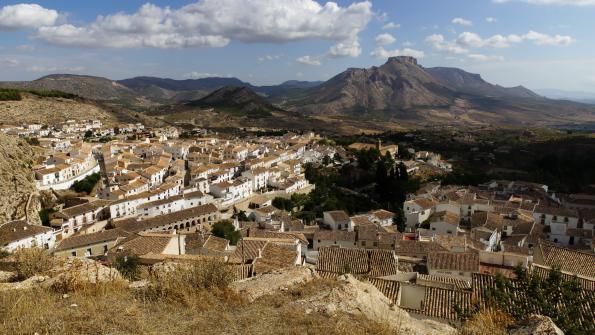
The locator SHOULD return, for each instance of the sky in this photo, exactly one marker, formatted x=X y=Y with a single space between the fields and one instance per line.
x=535 y=43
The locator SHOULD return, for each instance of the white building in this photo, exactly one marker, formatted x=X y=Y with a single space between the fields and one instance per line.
x=20 y=234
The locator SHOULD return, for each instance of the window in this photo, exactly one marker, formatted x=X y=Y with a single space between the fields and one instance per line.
x=449 y=232
x=73 y=253
x=89 y=252
x=363 y=243
x=105 y=249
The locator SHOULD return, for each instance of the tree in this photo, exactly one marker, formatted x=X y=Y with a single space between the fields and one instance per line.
x=226 y=230
x=241 y=216
x=88 y=134
x=399 y=220
x=283 y=203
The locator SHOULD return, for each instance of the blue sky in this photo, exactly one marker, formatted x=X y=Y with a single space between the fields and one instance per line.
x=535 y=43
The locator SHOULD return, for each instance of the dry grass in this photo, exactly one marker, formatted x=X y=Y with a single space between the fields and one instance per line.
x=32 y=261
x=181 y=302
x=487 y=322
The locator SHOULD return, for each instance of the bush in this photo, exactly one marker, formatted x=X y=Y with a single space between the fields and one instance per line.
x=32 y=261
x=226 y=230
x=283 y=203
x=9 y=94
x=87 y=184
x=128 y=266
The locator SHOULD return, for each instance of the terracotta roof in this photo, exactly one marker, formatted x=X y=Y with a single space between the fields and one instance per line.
x=83 y=240
x=335 y=235
x=278 y=235
x=338 y=215
x=143 y=243
x=18 y=230
x=443 y=282
x=375 y=263
x=135 y=226
x=416 y=248
x=216 y=243
x=382 y=214
x=558 y=211
x=440 y=303
x=246 y=251
x=274 y=257
x=445 y=216
x=568 y=260
x=390 y=288
x=454 y=261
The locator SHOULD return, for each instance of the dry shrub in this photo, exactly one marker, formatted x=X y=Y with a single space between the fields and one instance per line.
x=493 y=322
x=32 y=261
x=186 y=281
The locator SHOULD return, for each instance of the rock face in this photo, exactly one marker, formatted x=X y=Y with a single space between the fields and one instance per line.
x=536 y=325
x=350 y=296
x=70 y=273
x=398 y=84
x=359 y=298
x=256 y=287
x=16 y=179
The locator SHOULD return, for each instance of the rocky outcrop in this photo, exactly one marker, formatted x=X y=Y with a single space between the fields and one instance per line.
x=359 y=298
x=536 y=325
x=16 y=179
x=69 y=274
x=273 y=282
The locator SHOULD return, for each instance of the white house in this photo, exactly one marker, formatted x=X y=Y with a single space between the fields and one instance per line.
x=444 y=223
x=20 y=234
x=417 y=211
x=338 y=220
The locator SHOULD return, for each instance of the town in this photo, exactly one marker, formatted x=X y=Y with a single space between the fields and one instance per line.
x=172 y=195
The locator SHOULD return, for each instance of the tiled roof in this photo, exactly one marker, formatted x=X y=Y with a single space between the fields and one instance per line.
x=338 y=216
x=83 y=240
x=335 y=235
x=18 y=230
x=275 y=234
x=443 y=282
x=543 y=272
x=135 y=226
x=416 y=248
x=375 y=263
x=455 y=261
x=390 y=288
x=246 y=251
x=216 y=243
x=274 y=257
x=445 y=216
x=440 y=303
x=567 y=260
x=142 y=244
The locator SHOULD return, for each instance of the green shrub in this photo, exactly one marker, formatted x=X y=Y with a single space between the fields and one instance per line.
x=128 y=265
x=87 y=184
x=225 y=229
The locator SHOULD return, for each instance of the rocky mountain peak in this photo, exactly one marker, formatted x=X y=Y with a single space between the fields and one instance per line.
x=402 y=59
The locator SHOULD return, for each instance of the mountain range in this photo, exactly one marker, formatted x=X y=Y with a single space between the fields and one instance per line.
x=399 y=90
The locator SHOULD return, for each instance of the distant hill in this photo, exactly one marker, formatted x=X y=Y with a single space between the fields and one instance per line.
x=237 y=100
x=578 y=96
x=466 y=82
x=398 y=84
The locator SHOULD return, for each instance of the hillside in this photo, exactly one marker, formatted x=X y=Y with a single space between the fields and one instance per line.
x=50 y=110
x=466 y=82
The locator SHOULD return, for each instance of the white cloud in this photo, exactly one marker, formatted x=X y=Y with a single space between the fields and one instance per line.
x=349 y=48
x=544 y=39
x=468 y=40
x=268 y=58
x=198 y=75
x=461 y=21
x=309 y=60
x=490 y=19
x=391 y=25
x=10 y=62
x=382 y=53
x=485 y=58
x=54 y=69
x=407 y=44
x=22 y=16
x=214 y=23
x=553 y=2
x=438 y=42
x=384 y=39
